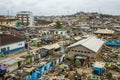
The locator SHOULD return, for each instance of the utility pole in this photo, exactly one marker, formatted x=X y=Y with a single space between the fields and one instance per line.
x=28 y=45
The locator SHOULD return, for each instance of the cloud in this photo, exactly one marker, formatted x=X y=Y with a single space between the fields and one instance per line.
x=59 y=7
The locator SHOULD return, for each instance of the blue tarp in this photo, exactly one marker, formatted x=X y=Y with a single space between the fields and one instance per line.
x=112 y=43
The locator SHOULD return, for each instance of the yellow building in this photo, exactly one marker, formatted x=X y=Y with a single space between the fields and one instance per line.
x=8 y=22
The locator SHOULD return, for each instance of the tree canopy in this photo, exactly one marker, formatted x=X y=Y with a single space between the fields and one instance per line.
x=58 y=25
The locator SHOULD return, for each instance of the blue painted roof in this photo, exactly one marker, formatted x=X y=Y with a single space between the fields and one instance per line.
x=112 y=43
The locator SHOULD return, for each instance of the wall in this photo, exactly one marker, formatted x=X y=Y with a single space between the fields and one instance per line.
x=54 y=32
x=63 y=32
x=8 y=23
x=81 y=50
x=12 y=67
x=14 y=46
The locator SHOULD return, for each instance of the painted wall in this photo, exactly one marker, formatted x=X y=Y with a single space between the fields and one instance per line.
x=62 y=32
x=13 y=46
x=9 y=24
x=53 y=32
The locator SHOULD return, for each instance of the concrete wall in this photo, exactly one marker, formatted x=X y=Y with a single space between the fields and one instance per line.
x=8 y=24
x=81 y=50
x=12 y=67
x=53 y=32
x=13 y=46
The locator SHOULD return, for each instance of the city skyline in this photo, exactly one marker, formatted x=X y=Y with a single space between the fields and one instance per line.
x=59 y=7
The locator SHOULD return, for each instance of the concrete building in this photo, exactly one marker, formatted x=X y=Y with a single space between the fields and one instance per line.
x=25 y=18
x=8 y=22
x=88 y=47
x=53 y=32
x=105 y=32
x=10 y=43
x=76 y=31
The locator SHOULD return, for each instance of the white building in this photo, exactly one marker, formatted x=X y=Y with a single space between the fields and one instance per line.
x=89 y=47
x=9 y=43
x=53 y=32
x=25 y=18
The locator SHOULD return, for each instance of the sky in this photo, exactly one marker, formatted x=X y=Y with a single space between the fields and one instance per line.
x=59 y=7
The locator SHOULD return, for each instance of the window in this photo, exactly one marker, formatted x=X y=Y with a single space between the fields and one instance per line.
x=75 y=50
x=8 y=48
x=3 y=49
x=56 y=32
x=61 y=32
x=19 y=44
x=78 y=51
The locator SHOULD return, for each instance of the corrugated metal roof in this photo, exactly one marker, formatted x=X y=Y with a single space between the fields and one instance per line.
x=7 y=39
x=91 y=43
x=99 y=64
x=53 y=46
x=105 y=31
x=8 y=61
x=77 y=37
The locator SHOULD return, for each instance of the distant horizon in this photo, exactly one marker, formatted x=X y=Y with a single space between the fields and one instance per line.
x=64 y=14
x=59 y=7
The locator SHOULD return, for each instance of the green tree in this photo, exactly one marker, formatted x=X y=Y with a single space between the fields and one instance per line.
x=58 y=25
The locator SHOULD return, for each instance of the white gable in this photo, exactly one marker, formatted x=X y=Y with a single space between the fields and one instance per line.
x=91 y=43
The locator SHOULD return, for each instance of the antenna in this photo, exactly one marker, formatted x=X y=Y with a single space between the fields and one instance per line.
x=8 y=13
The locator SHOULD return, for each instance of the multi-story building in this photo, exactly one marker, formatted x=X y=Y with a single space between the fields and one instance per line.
x=25 y=18
x=8 y=21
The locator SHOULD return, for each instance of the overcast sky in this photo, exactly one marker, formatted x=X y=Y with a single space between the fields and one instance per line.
x=59 y=7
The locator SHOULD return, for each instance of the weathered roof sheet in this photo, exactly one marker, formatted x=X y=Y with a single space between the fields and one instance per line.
x=7 y=39
x=53 y=46
x=8 y=61
x=91 y=43
x=104 y=31
x=77 y=37
x=99 y=64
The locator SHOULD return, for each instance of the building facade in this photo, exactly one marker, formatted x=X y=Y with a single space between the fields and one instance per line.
x=89 y=47
x=105 y=33
x=9 y=43
x=8 y=22
x=25 y=18
x=53 y=32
